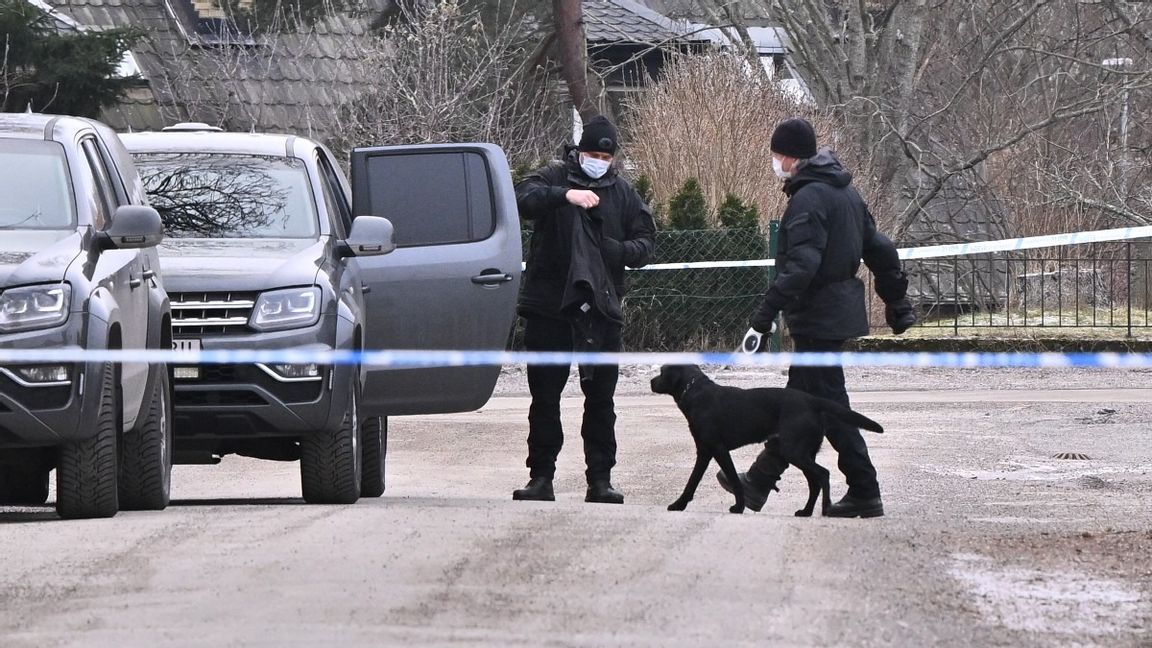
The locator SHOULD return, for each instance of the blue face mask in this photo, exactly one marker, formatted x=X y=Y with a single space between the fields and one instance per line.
x=594 y=168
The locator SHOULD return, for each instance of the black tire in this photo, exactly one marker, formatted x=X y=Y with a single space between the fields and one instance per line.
x=374 y=438
x=23 y=485
x=86 y=475
x=146 y=453
x=330 y=459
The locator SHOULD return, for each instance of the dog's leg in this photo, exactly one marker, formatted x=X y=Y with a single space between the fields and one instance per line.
x=827 y=501
x=702 y=460
x=725 y=460
x=817 y=477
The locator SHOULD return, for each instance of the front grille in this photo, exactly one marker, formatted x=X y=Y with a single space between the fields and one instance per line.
x=200 y=398
x=195 y=314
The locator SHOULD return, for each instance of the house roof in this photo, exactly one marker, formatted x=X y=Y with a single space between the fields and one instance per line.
x=618 y=21
x=291 y=82
x=703 y=11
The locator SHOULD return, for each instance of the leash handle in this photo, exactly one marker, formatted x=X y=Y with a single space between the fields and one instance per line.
x=753 y=341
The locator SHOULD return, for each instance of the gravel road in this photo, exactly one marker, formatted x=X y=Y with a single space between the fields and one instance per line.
x=990 y=539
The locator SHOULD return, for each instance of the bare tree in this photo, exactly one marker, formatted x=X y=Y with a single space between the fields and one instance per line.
x=933 y=90
x=572 y=47
x=442 y=75
x=711 y=118
x=435 y=73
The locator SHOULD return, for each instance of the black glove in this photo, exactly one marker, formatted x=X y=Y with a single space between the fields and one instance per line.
x=612 y=251
x=899 y=315
x=765 y=319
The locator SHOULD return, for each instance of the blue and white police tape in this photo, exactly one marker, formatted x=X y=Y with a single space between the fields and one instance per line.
x=956 y=249
x=457 y=358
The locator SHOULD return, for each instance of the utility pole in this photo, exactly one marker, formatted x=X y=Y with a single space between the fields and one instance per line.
x=1122 y=64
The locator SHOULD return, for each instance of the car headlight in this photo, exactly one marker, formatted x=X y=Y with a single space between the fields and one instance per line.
x=285 y=309
x=34 y=307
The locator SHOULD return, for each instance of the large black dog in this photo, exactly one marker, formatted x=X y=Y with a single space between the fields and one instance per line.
x=722 y=419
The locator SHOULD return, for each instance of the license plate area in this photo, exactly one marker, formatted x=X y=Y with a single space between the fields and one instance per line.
x=191 y=372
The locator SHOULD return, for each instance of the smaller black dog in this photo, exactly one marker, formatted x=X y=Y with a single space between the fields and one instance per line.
x=722 y=419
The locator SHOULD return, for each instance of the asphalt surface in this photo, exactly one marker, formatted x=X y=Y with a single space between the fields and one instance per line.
x=989 y=538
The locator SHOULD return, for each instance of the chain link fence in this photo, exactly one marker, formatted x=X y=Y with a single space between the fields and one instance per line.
x=1105 y=291
x=690 y=310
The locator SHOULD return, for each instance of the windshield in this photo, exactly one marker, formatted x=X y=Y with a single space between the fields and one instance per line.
x=35 y=186
x=218 y=195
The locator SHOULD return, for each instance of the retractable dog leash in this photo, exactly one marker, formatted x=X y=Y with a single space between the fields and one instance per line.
x=753 y=340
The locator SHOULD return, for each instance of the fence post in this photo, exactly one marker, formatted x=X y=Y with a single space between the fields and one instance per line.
x=1128 y=253
x=776 y=341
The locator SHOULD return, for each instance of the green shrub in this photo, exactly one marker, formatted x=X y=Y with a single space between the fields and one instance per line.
x=688 y=209
x=643 y=186
x=733 y=213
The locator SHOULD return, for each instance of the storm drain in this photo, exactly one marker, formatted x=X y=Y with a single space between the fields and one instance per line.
x=1075 y=456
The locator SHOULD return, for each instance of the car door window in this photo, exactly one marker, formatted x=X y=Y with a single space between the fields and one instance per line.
x=433 y=198
x=334 y=196
x=106 y=200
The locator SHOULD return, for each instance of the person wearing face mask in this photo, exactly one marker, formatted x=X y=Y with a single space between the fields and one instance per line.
x=825 y=231
x=588 y=224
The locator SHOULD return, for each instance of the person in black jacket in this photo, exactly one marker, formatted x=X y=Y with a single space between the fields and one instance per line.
x=825 y=231
x=588 y=224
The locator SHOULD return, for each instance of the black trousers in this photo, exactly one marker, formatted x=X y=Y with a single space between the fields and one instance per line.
x=546 y=382
x=827 y=382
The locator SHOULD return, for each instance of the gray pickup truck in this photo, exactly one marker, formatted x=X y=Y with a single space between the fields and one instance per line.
x=79 y=271
x=270 y=247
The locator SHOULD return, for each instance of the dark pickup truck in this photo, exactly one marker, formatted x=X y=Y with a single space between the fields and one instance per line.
x=270 y=247
x=79 y=271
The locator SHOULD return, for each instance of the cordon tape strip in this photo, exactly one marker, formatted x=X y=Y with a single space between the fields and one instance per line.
x=437 y=358
x=955 y=249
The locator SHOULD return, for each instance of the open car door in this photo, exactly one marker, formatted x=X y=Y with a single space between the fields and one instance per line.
x=453 y=279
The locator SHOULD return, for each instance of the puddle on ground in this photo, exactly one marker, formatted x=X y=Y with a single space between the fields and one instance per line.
x=1058 y=602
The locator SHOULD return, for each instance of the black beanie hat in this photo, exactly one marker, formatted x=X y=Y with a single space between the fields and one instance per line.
x=599 y=135
x=795 y=138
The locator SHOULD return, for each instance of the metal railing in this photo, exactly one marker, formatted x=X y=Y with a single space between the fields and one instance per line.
x=1101 y=287
x=1094 y=289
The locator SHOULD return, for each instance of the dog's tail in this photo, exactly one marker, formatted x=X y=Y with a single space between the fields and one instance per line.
x=848 y=416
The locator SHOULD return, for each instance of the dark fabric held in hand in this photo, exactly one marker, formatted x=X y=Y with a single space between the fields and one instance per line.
x=626 y=225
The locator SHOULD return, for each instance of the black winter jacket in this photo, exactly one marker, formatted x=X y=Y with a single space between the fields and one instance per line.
x=622 y=223
x=825 y=231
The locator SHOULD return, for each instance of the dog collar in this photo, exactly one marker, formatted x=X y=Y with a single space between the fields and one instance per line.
x=689 y=386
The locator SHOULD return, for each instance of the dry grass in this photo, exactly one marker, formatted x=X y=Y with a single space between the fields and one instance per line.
x=711 y=118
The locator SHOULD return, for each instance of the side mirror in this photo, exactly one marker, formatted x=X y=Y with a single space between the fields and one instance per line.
x=134 y=226
x=370 y=236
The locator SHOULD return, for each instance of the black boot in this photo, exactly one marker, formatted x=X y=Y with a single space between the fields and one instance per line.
x=754 y=494
x=601 y=491
x=538 y=489
x=850 y=507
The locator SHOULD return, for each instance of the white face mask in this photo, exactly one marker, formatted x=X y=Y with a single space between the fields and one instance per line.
x=594 y=168
x=778 y=169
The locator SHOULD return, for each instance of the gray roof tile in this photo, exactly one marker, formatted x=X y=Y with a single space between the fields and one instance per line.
x=614 y=21
x=289 y=86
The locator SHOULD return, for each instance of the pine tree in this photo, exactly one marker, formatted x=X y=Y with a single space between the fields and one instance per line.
x=688 y=209
x=643 y=186
x=734 y=213
x=59 y=71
